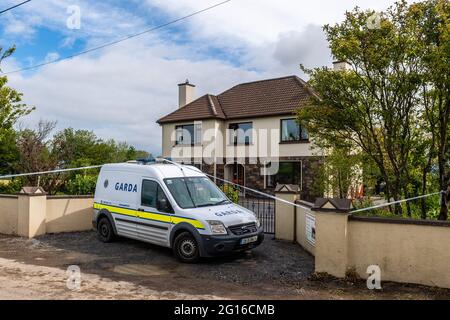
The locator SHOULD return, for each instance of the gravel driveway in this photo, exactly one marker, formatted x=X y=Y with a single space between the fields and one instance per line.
x=127 y=269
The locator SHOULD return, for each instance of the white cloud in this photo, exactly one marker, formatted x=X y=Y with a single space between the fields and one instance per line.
x=16 y=27
x=51 y=56
x=259 y=21
x=98 y=19
x=120 y=92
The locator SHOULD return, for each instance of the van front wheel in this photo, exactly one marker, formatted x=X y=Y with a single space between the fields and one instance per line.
x=186 y=248
x=105 y=230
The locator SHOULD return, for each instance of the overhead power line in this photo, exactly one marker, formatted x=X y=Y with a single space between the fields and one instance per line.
x=119 y=40
x=396 y=202
x=159 y=159
x=17 y=5
x=9 y=176
x=182 y=167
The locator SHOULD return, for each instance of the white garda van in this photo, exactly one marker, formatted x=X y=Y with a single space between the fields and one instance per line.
x=172 y=206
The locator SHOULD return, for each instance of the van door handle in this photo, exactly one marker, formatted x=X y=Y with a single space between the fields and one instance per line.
x=140 y=209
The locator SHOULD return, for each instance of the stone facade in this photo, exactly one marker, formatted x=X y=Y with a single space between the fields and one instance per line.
x=255 y=179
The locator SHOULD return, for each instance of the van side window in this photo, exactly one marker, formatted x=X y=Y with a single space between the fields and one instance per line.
x=163 y=203
x=149 y=192
x=161 y=195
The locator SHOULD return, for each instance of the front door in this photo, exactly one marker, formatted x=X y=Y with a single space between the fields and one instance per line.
x=153 y=222
x=238 y=174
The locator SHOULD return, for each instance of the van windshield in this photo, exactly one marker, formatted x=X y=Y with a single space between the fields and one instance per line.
x=193 y=192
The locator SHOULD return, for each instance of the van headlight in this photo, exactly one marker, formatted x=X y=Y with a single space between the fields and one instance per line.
x=217 y=227
x=258 y=223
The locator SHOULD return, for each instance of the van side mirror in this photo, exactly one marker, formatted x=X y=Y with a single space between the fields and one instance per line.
x=164 y=206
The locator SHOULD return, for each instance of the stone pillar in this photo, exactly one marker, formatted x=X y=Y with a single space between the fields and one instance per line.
x=331 y=252
x=285 y=213
x=32 y=211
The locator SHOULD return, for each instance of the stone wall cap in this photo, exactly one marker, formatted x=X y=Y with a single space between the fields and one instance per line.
x=287 y=188
x=35 y=191
x=332 y=204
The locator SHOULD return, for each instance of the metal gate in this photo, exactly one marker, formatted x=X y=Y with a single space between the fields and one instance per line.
x=263 y=207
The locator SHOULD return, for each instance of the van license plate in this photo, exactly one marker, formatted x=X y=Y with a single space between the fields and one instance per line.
x=249 y=240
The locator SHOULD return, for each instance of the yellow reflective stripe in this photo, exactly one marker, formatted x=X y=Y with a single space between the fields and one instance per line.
x=128 y=212
x=153 y=216
x=150 y=215
x=195 y=223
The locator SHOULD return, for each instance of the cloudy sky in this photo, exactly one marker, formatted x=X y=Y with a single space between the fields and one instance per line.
x=120 y=91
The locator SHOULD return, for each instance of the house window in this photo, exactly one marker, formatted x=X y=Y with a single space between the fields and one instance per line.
x=288 y=173
x=292 y=131
x=189 y=134
x=241 y=133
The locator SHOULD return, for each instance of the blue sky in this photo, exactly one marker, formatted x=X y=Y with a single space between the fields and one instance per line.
x=120 y=91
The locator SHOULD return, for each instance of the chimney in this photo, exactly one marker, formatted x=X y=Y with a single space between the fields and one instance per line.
x=186 y=93
x=341 y=65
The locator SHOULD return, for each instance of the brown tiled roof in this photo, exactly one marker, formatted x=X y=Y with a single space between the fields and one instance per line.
x=254 y=99
x=205 y=107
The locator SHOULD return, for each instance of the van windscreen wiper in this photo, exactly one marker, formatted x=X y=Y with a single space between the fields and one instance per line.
x=222 y=202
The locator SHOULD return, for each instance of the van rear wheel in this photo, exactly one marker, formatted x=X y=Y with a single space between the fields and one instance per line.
x=105 y=230
x=186 y=248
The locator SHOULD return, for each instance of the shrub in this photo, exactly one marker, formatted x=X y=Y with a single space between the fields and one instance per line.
x=82 y=185
x=11 y=186
x=231 y=192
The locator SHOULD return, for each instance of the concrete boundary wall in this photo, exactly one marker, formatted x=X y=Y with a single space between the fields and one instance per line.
x=405 y=250
x=8 y=214
x=30 y=215
x=293 y=223
x=65 y=214
x=305 y=226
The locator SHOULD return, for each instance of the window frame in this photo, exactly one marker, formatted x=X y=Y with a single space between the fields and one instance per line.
x=301 y=140
x=141 y=203
x=158 y=188
x=274 y=178
x=234 y=141
x=195 y=138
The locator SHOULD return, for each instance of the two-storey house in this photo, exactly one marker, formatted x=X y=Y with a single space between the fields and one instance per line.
x=247 y=134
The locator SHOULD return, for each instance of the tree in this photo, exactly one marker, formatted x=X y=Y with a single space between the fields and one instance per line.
x=67 y=148
x=11 y=109
x=340 y=174
x=431 y=23
x=9 y=154
x=83 y=148
x=378 y=105
x=370 y=107
x=11 y=106
x=35 y=156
